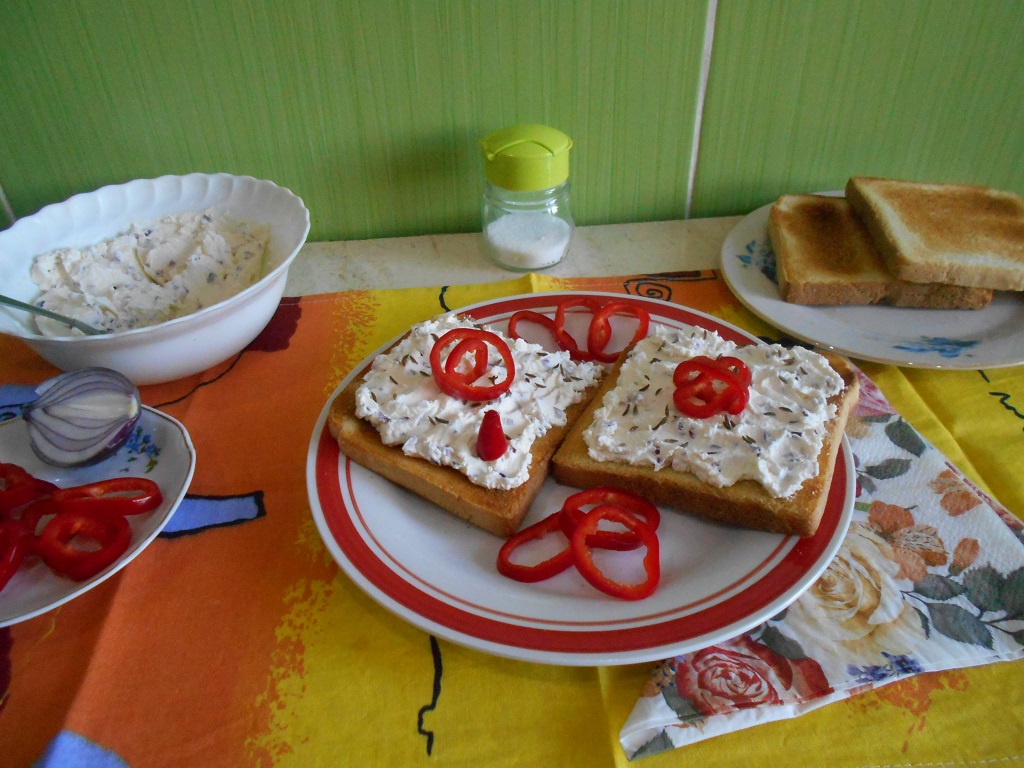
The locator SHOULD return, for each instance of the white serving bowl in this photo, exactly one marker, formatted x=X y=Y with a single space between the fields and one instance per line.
x=179 y=347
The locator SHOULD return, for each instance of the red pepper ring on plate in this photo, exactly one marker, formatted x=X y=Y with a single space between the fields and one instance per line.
x=545 y=569
x=573 y=514
x=601 y=329
x=529 y=316
x=15 y=543
x=565 y=339
x=116 y=496
x=56 y=543
x=705 y=387
x=562 y=337
x=30 y=514
x=17 y=487
x=583 y=553
x=454 y=384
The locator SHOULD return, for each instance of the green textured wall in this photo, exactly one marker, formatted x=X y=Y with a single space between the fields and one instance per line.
x=371 y=109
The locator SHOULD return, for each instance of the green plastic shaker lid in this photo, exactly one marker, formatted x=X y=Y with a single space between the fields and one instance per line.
x=526 y=158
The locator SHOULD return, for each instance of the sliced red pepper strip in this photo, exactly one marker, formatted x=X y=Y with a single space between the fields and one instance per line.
x=529 y=316
x=736 y=367
x=15 y=543
x=564 y=338
x=583 y=556
x=30 y=514
x=456 y=385
x=17 y=487
x=601 y=328
x=117 y=496
x=706 y=387
x=474 y=347
x=56 y=543
x=538 y=571
x=573 y=514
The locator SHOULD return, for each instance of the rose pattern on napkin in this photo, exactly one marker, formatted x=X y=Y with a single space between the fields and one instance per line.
x=930 y=577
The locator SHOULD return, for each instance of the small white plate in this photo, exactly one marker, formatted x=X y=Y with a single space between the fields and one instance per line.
x=438 y=572
x=920 y=338
x=159 y=448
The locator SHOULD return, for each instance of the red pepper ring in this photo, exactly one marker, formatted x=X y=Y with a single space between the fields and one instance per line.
x=583 y=556
x=705 y=388
x=116 y=496
x=17 y=487
x=573 y=514
x=474 y=347
x=601 y=328
x=565 y=339
x=529 y=316
x=538 y=571
x=55 y=543
x=736 y=367
x=453 y=384
x=29 y=515
x=15 y=543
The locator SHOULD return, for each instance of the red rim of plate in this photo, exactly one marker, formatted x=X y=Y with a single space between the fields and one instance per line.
x=781 y=583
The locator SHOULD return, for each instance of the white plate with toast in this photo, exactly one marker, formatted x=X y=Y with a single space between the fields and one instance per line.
x=992 y=337
x=438 y=572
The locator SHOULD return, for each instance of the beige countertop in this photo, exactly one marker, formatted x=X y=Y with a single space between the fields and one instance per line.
x=408 y=262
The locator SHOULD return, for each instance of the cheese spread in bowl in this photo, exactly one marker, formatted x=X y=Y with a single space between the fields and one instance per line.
x=151 y=273
x=197 y=291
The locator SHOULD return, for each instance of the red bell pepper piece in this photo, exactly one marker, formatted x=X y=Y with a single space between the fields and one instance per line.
x=538 y=571
x=491 y=442
x=474 y=347
x=529 y=316
x=460 y=385
x=15 y=543
x=573 y=514
x=117 y=496
x=583 y=556
x=56 y=543
x=17 y=487
x=706 y=387
x=29 y=515
x=564 y=338
x=601 y=329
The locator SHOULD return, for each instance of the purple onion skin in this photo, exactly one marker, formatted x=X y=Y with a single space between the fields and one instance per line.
x=69 y=427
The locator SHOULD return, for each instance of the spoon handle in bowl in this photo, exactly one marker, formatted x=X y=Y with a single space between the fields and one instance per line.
x=69 y=321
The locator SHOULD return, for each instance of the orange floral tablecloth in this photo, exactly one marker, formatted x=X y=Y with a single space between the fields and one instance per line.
x=234 y=639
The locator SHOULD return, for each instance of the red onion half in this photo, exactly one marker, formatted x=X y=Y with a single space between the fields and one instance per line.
x=82 y=416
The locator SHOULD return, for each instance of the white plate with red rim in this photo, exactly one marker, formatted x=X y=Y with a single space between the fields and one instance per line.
x=159 y=448
x=955 y=339
x=438 y=572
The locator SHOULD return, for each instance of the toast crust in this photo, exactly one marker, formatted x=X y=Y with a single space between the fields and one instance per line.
x=958 y=234
x=746 y=503
x=825 y=256
x=499 y=511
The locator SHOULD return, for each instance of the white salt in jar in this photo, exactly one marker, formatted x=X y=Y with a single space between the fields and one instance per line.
x=527 y=220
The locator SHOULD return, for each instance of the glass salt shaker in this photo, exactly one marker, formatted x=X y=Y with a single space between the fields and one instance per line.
x=527 y=220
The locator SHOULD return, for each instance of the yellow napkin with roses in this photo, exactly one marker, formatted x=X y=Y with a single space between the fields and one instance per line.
x=929 y=577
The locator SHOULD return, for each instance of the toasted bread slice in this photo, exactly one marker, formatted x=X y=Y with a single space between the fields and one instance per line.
x=958 y=234
x=745 y=503
x=824 y=256
x=499 y=511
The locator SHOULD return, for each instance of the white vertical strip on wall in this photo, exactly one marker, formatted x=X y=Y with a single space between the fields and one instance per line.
x=705 y=68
